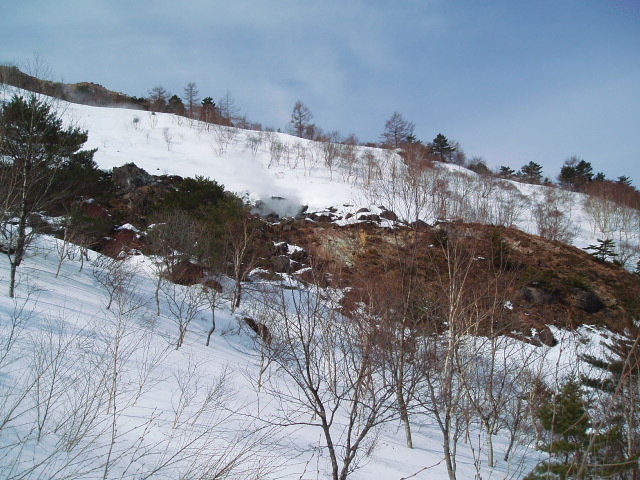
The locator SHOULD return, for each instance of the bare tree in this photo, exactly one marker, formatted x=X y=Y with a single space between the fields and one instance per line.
x=331 y=366
x=115 y=275
x=552 y=215
x=173 y=240
x=242 y=253
x=77 y=398
x=227 y=109
x=158 y=98
x=191 y=98
x=168 y=138
x=397 y=130
x=224 y=136
x=213 y=296
x=451 y=308
x=300 y=120
x=184 y=304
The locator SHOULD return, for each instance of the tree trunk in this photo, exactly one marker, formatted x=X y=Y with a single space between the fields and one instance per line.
x=157 y=295
x=404 y=416
x=213 y=326
x=21 y=241
x=12 y=278
x=488 y=430
x=448 y=458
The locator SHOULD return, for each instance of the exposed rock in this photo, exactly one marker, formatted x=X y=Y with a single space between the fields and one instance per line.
x=546 y=337
x=260 y=328
x=419 y=225
x=369 y=218
x=322 y=217
x=537 y=295
x=129 y=177
x=186 y=273
x=212 y=284
x=389 y=215
x=93 y=210
x=281 y=248
x=124 y=240
x=589 y=302
x=299 y=255
x=281 y=264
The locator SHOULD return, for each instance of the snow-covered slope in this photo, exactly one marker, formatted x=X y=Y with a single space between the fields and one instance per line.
x=262 y=165
x=85 y=389
x=91 y=392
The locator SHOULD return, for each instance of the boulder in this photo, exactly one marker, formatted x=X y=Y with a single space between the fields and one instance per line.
x=128 y=177
x=281 y=264
x=537 y=295
x=260 y=328
x=589 y=302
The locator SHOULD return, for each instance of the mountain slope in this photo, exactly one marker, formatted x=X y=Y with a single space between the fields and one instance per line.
x=155 y=401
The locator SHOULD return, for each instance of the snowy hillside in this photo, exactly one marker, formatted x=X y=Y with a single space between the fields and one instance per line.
x=91 y=392
x=93 y=386
x=262 y=165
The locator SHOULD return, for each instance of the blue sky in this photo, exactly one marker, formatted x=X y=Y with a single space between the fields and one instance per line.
x=512 y=81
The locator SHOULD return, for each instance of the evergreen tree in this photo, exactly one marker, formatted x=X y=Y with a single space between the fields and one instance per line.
x=565 y=420
x=604 y=250
x=624 y=180
x=193 y=195
x=35 y=146
x=441 y=147
x=208 y=112
x=617 y=378
x=531 y=173
x=575 y=174
x=506 y=172
x=175 y=105
x=576 y=450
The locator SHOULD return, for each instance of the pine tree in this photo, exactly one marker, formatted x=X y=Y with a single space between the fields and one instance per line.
x=617 y=379
x=575 y=174
x=604 y=250
x=208 y=112
x=577 y=449
x=176 y=105
x=567 y=422
x=441 y=147
x=531 y=173
x=35 y=146
x=506 y=172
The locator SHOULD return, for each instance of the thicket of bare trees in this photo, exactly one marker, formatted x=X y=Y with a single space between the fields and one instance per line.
x=435 y=346
x=324 y=371
x=552 y=215
x=61 y=421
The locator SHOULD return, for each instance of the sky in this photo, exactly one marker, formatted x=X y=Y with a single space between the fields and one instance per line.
x=511 y=81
